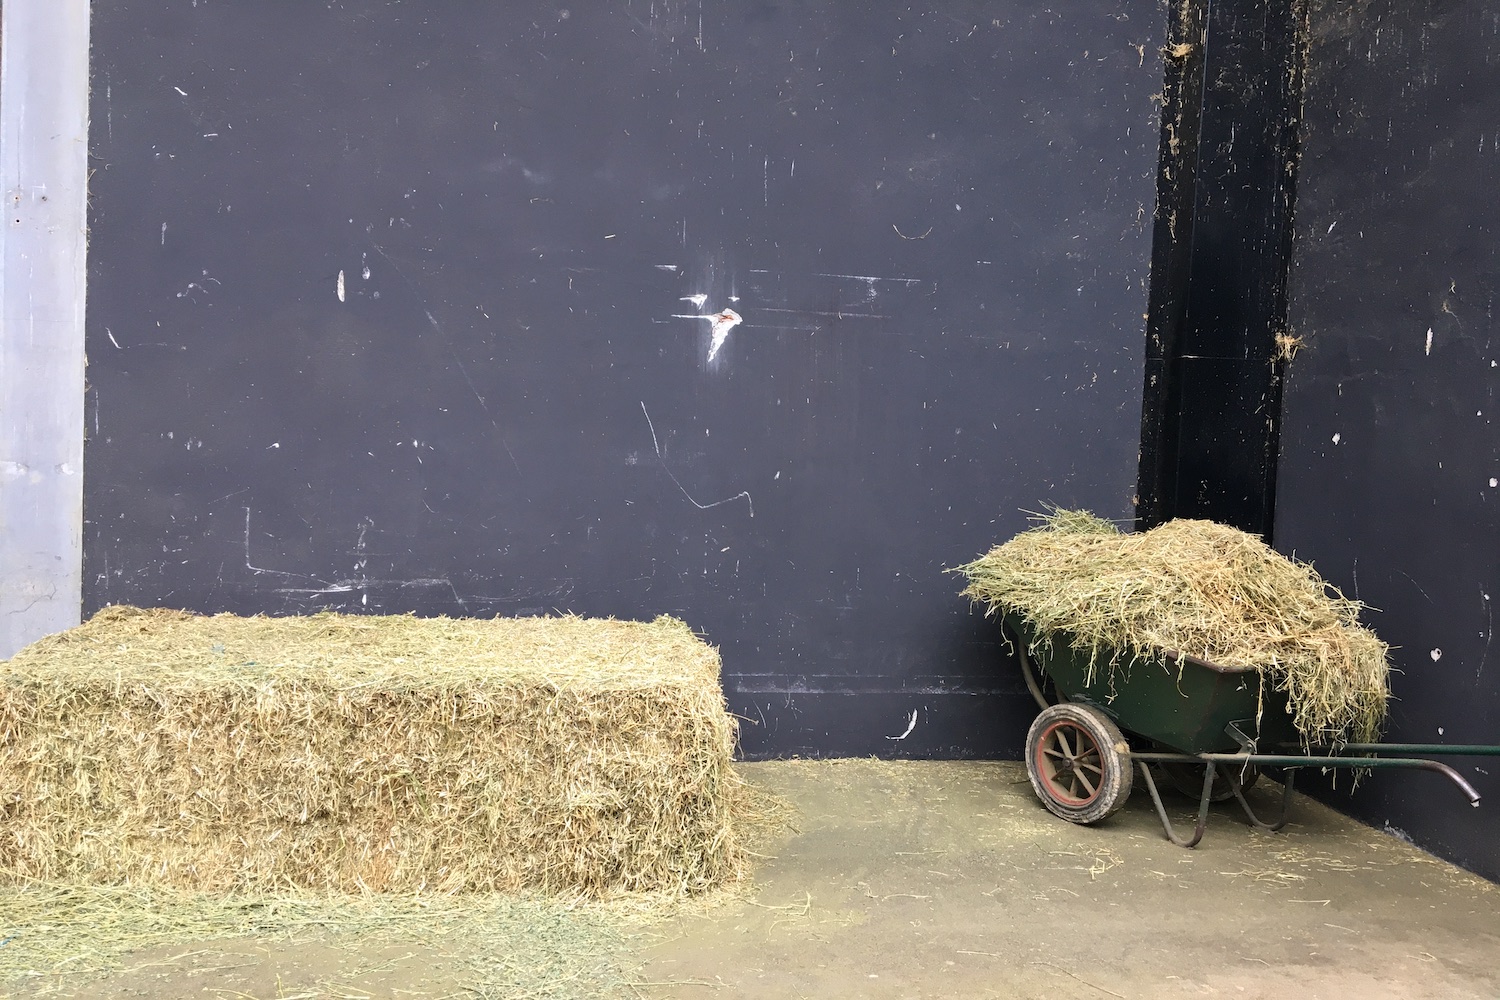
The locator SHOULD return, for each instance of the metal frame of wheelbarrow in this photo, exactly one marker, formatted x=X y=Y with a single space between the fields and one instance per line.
x=1359 y=756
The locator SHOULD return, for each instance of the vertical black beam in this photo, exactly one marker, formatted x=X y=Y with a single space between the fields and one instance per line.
x=1217 y=316
x=1171 y=255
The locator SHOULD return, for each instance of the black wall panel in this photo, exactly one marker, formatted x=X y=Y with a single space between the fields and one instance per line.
x=408 y=307
x=1390 y=454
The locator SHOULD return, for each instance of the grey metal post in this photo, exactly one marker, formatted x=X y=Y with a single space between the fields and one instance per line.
x=44 y=92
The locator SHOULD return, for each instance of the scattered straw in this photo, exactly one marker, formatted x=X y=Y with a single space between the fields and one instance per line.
x=368 y=754
x=1200 y=588
x=61 y=939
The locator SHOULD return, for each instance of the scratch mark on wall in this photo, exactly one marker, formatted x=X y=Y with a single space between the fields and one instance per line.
x=1489 y=630
x=438 y=327
x=696 y=300
x=227 y=496
x=869 y=279
x=258 y=570
x=197 y=286
x=656 y=445
x=816 y=312
x=1417 y=585
x=341 y=290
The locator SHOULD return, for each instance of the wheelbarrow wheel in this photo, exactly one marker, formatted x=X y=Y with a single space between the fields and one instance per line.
x=1077 y=760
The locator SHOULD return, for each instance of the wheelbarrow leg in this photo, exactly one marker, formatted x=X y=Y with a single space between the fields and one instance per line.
x=1161 y=812
x=1286 y=802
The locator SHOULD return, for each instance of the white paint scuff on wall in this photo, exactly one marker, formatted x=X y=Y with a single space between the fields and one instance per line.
x=722 y=324
x=341 y=286
x=1428 y=349
x=911 y=724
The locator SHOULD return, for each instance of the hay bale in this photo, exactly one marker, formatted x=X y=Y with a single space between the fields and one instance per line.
x=1201 y=588
x=369 y=754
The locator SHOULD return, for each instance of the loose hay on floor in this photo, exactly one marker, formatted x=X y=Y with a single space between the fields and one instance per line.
x=368 y=754
x=1201 y=588
x=60 y=940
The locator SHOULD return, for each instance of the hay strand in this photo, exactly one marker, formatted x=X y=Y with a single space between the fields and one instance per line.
x=1195 y=587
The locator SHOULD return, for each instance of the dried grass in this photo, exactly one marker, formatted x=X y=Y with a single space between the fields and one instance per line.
x=60 y=939
x=392 y=754
x=1200 y=588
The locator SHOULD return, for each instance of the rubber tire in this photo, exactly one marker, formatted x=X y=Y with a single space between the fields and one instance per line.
x=1188 y=779
x=1116 y=771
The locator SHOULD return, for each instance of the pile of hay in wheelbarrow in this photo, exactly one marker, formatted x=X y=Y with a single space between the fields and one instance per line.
x=1199 y=588
x=368 y=754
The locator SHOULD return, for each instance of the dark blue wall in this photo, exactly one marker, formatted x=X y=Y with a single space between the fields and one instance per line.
x=1390 y=453
x=397 y=306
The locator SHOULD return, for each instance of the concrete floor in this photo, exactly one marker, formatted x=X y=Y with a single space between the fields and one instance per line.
x=912 y=880
x=927 y=880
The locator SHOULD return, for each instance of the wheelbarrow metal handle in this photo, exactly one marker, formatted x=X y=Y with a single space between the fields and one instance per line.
x=1437 y=749
x=1318 y=760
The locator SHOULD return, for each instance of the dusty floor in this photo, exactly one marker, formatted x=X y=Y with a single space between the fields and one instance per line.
x=949 y=880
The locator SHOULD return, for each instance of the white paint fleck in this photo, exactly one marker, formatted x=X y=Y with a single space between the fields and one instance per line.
x=1331 y=225
x=112 y=339
x=1436 y=654
x=1494 y=482
x=696 y=300
x=365 y=274
x=180 y=91
x=723 y=323
x=667 y=267
x=1440 y=730
x=1337 y=437
x=163 y=234
x=341 y=286
x=273 y=444
x=911 y=724
x=1429 y=340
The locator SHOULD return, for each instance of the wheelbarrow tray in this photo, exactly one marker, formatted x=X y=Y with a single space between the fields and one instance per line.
x=1177 y=701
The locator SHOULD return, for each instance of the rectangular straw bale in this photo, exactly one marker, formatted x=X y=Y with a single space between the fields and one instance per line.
x=361 y=753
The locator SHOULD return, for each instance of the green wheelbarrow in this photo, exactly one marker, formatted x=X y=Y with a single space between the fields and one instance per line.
x=1208 y=728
